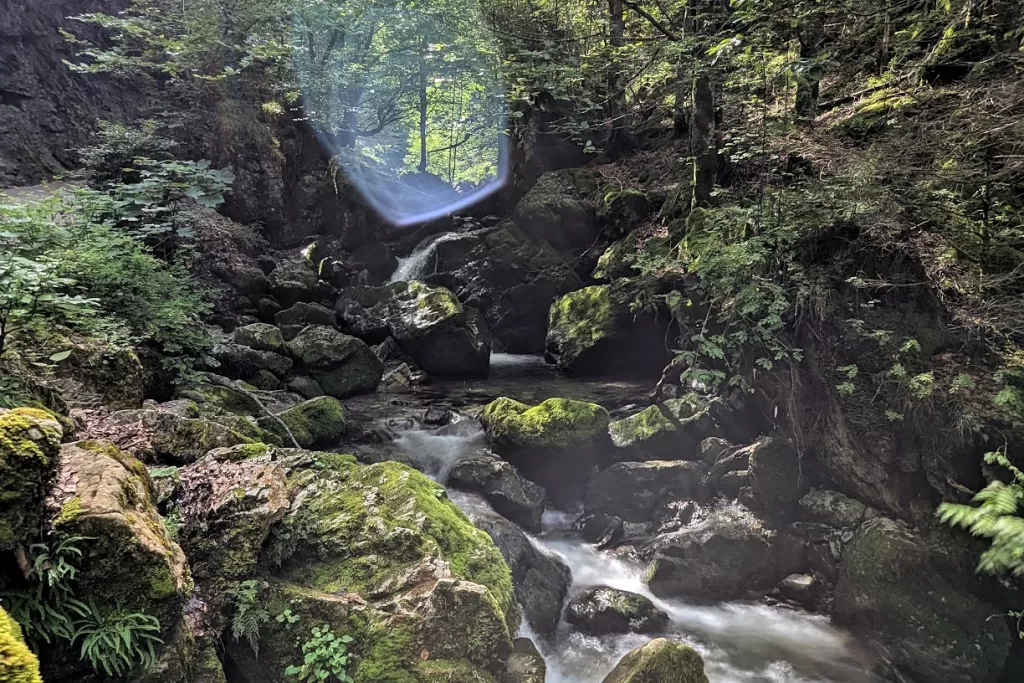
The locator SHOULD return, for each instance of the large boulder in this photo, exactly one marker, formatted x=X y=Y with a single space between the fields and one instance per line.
x=775 y=476
x=892 y=588
x=634 y=490
x=498 y=481
x=292 y=320
x=343 y=366
x=561 y=209
x=719 y=558
x=832 y=508
x=378 y=553
x=17 y=663
x=600 y=611
x=162 y=436
x=106 y=497
x=29 y=446
x=554 y=443
x=430 y=324
x=672 y=430
x=541 y=580
x=316 y=422
x=594 y=331
x=260 y=337
x=242 y=362
x=659 y=661
x=508 y=278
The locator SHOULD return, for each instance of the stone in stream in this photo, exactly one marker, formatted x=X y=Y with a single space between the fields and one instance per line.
x=634 y=490
x=801 y=588
x=903 y=592
x=554 y=444
x=602 y=530
x=343 y=366
x=601 y=611
x=525 y=664
x=659 y=661
x=672 y=430
x=511 y=496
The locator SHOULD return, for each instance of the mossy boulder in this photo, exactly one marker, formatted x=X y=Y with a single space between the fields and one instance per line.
x=672 y=430
x=261 y=337
x=342 y=365
x=634 y=490
x=129 y=563
x=112 y=372
x=659 y=661
x=600 y=611
x=316 y=422
x=378 y=552
x=896 y=588
x=29 y=446
x=17 y=663
x=293 y=320
x=594 y=331
x=188 y=658
x=553 y=444
x=214 y=397
x=622 y=210
x=429 y=323
x=561 y=209
x=172 y=439
x=293 y=280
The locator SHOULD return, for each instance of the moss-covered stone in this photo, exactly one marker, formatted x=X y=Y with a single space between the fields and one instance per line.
x=555 y=423
x=671 y=430
x=316 y=422
x=17 y=663
x=622 y=210
x=129 y=563
x=342 y=365
x=561 y=209
x=600 y=611
x=261 y=337
x=176 y=440
x=659 y=661
x=29 y=445
x=188 y=658
x=112 y=372
x=215 y=398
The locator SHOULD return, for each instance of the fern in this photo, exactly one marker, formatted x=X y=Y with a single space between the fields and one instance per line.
x=249 y=613
x=117 y=643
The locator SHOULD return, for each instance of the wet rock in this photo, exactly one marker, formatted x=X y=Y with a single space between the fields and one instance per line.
x=343 y=366
x=541 y=580
x=722 y=557
x=732 y=482
x=172 y=439
x=306 y=387
x=293 y=281
x=316 y=422
x=377 y=259
x=554 y=443
x=834 y=509
x=430 y=324
x=21 y=666
x=602 y=530
x=594 y=331
x=436 y=416
x=801 y=588
x=892 y=587
x=29 y=449
x=633 y=490
x=671 y=430
x=398 y=380
x=105 y=495
x=261 y=337
x=511 y=496
x=672 y=516
x=601 y=611
x=775 y=477
x=525 y=664
x=659 y=661
x=293 y=320
x=242 y=362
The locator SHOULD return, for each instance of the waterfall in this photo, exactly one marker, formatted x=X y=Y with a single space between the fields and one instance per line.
x=417 y=265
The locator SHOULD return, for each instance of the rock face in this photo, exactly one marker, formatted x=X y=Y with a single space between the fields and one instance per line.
x=17 y=663
x=379 y=553
x=672 y=430
x=561 y=210
x=541 y=580
x=243 y=362
x=721 y=557
x=343 y=366
x=316 y=422
x=508 y=278
x=554 y=443
x=633 y=490
x=775 y=477
x=439 y=333
x=29 y=446
x=659 y=661
x=106 y=495
x=891 y=587
x=600 y=611
x=592 y=331
x=509 y=494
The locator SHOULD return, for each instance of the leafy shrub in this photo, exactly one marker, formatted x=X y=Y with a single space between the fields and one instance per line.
x=111 y=159
x=324 y=658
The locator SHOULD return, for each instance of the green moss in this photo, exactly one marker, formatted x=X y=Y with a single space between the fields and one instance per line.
x=17 y=663
x=660 y=661
x=555 y=423
x=213 y=397
x=69 y=512
x=317 y=422
x=29 y=445
x=437 y=302
x=582 y=318
x=452 y=671
x=385 y=650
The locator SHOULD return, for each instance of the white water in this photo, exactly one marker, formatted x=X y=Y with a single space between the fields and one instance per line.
x=414 y=266
x=740 y=642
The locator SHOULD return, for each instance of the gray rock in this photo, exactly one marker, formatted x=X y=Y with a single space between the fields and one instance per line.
x=671 y=430
x=834 y=509
x=242 y=362
x=801 y=588
x=261 y=337
x=512 y=496
x=306 y=387
x=343 y=366
x=525 y=664
x=293 y=320
x=601 y=611
x=633 y=490
x=731 y=483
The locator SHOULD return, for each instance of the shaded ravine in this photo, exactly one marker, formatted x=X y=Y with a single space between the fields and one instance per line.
x=740 y=642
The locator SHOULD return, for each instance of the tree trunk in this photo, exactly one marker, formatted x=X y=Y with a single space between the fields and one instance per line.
x=423 y=112
x=702 y=141
x=616 y=106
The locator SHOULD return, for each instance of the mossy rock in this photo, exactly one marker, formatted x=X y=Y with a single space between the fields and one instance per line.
x=342 y=365
x=188 y=658
x=622 y=210
x=176 y=440
x=553 y=444
x=216 y=398
x=241 y=362
x=594 y=331
x=660 y=661
x=600 y=611
x=671 y=430
x=29 y=446
x=114 y=373
x=261 y=337
x=17 y=663
x=561 y=209
x=316 y=422
x=129 y=562
x=623 y=258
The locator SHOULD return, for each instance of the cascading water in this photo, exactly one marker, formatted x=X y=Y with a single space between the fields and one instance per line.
x=415 y=265
x=740 y=642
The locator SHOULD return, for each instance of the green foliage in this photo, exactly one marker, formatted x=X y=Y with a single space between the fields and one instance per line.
x=250 y=614
x=110 y=160
x=117 y=643
x=325 y=658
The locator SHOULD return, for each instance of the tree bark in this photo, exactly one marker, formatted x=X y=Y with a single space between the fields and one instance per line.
x=702 y=141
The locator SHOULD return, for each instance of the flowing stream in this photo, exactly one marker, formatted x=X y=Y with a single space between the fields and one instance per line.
x=415 y=265
x=740 y=642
